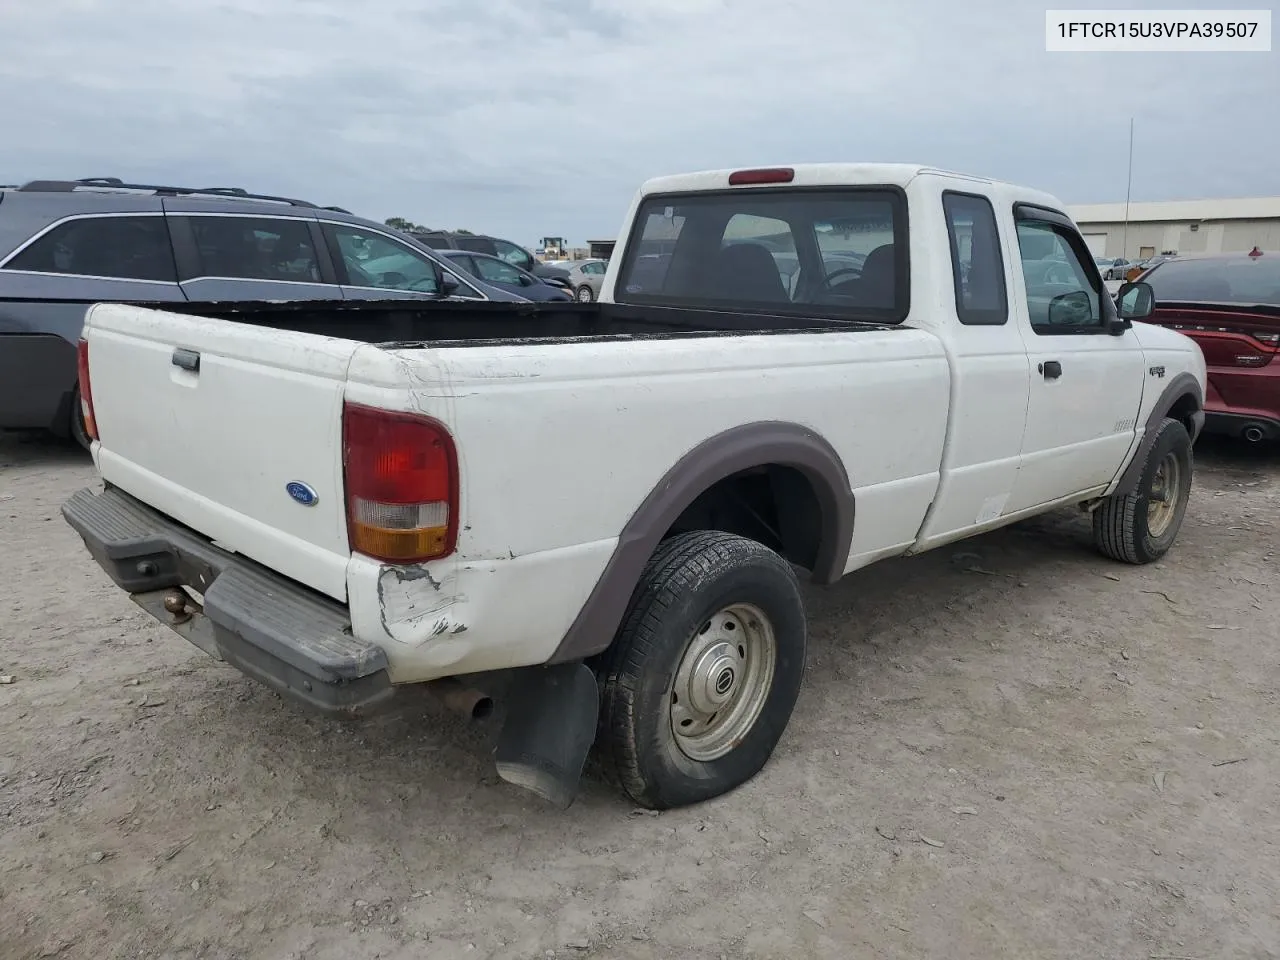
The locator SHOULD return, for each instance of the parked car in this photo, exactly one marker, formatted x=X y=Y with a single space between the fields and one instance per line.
x=586 y=278
x=67 y=243
x=1117 y=269
x=1136 y=269
x=1230 y=305
x=512 y=253
x=506 y=276
x=417 y=508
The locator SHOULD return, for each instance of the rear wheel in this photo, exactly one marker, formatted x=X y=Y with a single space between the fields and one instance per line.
x=76 y=426
x=702 y=678
x=585 y=294
x=1140 y=527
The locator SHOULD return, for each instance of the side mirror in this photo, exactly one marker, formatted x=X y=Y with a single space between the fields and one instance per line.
x=1135 y=301
x=1074 y=309
x=526 y=280
x=449 y=284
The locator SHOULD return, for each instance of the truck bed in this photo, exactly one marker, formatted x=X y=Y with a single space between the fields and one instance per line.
x=403 y=323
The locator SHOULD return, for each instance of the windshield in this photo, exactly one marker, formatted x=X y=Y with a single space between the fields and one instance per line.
x=1228 y=280
x=841 y=252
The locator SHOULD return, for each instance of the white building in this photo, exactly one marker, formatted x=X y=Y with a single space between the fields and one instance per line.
x=1179 y=226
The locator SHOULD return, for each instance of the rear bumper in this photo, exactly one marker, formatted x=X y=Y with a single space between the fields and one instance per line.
x=1240 y=424
x=294 y=640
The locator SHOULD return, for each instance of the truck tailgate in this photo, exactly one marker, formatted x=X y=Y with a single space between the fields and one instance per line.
x=214 y=423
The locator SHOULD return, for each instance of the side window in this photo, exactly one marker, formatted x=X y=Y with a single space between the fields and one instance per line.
x=976 y=263
x=374 y=260
x=119 y=248
x=476 y=244
x=513 y=254
x=1061 y=296
x=466 y=264
x=496 y=272
x=256 y=248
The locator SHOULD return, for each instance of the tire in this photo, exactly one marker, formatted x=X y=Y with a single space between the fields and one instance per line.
x=585 y=294
x=694 y=590
x=1140 y=527
x=76 y=427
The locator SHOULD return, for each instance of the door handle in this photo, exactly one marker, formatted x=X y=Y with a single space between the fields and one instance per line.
x=186 y=359
x=1050 y=369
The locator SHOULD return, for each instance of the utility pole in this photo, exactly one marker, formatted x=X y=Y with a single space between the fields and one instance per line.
x=1128 y=192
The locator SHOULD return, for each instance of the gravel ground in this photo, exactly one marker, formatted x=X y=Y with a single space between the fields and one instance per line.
x=1008 y=748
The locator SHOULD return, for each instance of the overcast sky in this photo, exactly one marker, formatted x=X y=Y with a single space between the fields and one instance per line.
x=531 y=118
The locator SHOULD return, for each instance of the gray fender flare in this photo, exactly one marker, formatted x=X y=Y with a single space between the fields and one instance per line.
x=1184 y=384
x=741 y=448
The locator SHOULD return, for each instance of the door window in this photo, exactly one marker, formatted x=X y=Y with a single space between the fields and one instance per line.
x=255 y=248
x=1061 y=295
x=977 y=265
x=463 y=263
x=513 y=254
x=119 y=248
x=374 y=260
x=496 y=271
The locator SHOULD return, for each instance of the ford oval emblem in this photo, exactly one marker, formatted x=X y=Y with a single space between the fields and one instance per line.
x=302 y=493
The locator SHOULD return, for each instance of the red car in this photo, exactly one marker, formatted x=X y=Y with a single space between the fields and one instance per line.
x=1229 y=304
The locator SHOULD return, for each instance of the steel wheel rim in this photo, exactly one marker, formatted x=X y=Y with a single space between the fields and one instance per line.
x=723 y=681
x=1162 y=503
x=584 y=295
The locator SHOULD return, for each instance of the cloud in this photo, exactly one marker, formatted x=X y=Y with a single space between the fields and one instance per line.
x=533 y=117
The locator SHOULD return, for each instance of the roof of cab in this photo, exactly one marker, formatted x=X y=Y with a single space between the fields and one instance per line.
x=806 y=175
x=838 y=174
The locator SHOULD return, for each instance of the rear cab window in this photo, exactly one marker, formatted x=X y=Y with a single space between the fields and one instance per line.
x=839 y=252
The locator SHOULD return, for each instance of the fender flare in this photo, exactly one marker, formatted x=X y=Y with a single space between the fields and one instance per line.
x=740 y=448
x=1184 y=384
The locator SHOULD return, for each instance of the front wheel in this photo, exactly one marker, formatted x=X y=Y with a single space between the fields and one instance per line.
x=1140 y=526
x=704 y=673
x=585 y=294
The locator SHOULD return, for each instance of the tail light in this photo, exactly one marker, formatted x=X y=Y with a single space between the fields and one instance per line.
x=401 y=473
x=741 y=178
x=86 y=391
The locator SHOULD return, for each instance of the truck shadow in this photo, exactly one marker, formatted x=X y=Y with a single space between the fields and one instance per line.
x=26 y=449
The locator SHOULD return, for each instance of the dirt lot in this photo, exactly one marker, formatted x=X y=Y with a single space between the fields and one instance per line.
x=1091 y=751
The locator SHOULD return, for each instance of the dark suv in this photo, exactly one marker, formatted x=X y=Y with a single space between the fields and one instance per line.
x=65 y=244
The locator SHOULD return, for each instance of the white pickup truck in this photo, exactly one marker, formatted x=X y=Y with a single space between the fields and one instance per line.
x=601 y=508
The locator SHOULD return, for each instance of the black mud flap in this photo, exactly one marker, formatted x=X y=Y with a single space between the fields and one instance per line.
x=549 y=729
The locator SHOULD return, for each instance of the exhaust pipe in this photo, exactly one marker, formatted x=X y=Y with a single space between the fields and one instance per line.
x=1253 y=433
x=463 y=700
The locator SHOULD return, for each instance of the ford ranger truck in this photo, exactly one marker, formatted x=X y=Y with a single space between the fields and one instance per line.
x=600 y=512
